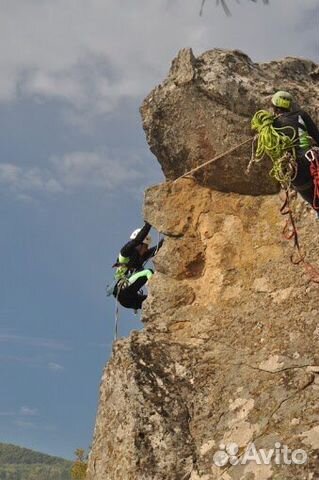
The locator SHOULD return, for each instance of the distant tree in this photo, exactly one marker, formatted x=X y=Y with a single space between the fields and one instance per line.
x=224 y=4
x=79 y=467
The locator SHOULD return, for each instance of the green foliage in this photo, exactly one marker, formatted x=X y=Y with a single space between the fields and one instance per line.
x=14 y=454
x=18 y=463
x=79 y=467
x=34 y=472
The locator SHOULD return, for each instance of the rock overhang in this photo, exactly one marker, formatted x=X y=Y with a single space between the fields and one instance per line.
x=204 y=108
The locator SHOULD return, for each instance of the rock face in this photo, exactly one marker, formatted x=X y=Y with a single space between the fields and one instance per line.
x=229 y=351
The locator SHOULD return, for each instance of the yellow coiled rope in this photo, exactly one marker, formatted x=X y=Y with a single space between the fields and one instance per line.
x=278 y=146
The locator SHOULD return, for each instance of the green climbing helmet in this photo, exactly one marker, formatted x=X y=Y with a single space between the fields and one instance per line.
x=282 y=99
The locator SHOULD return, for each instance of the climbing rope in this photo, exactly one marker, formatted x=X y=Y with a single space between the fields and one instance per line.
x=290 y=232
x=116 y=316
x=278 y=146
x=109 y=291
x=190 y=172
x=119 y=285
x=313 y=157
x=271 y=141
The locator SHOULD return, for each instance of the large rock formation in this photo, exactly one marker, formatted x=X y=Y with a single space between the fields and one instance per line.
x=205 y=107
x=229 y=350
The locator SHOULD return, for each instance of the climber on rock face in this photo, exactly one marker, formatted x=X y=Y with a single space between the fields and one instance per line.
x=130 y=273
x=297 y=124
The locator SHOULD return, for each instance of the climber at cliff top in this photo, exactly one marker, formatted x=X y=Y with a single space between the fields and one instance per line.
x=290 y=130
x=130 y=274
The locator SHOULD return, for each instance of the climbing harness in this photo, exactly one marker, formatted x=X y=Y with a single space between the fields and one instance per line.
x=312 y=156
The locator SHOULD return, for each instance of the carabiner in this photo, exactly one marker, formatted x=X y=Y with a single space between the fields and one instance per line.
x=310 y=155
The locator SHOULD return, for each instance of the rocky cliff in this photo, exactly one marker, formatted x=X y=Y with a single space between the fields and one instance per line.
x=229 y=351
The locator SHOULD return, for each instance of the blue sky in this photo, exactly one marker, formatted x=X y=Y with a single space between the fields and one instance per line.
x=73 y=167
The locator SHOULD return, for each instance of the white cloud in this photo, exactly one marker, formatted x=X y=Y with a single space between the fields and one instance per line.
x=55 y=367
x=92 y=54
x=18 y=359
x=28 y=412
x=24 y=424
x=33 y=426
x=23 y=179
x=34 y=342
x=94 y=170
x=23 y=412
x=74 y=171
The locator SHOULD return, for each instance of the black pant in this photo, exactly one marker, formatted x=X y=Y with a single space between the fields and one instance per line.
x=129 y=297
